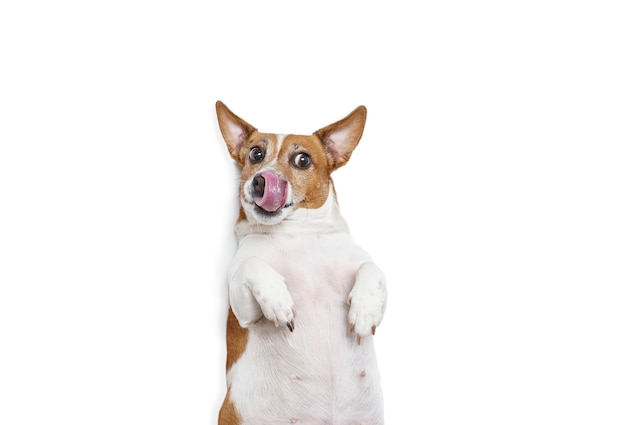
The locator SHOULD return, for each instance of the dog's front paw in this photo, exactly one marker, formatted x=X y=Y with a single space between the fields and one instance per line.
x=367 y=301
x=275 y=300
x=257 y=291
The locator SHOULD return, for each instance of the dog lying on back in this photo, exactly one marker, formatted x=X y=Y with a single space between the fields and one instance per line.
x=304 y=298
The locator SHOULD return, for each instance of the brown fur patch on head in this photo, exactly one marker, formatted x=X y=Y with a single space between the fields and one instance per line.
x=268 y=144
x=310 y=184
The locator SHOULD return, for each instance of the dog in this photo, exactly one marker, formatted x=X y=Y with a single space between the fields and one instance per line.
x=305 y=300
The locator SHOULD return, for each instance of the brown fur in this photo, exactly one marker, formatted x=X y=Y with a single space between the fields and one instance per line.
x=263 y=140
x=236 y=340
x=310 y=185
x=228 y=413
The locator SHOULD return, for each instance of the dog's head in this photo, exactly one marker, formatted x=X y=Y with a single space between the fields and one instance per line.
x=283 y=173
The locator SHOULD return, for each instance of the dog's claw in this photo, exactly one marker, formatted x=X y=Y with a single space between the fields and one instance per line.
x=291 y=325
x=358 y=340
x=374 y=330
x=351 y=327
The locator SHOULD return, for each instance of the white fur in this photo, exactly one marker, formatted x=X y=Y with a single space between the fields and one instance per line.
x=323 y=219
x=367 y=299
x=317 y=374
x=260 y=291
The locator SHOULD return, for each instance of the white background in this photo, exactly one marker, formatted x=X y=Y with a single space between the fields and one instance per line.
x=490 y=185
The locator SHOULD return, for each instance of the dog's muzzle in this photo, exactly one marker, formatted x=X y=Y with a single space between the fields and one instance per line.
x=269 y=191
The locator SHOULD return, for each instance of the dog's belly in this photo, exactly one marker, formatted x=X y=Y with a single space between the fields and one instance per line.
x=317 y=374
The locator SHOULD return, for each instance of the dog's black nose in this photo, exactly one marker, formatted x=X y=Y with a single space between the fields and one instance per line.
x=258 y=184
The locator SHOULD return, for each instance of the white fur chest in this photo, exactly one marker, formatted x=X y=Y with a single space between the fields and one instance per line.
x=317 y=374
x=317 y=268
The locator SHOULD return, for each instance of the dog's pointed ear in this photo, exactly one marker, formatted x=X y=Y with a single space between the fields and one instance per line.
x=234 y=130
x=341 y=138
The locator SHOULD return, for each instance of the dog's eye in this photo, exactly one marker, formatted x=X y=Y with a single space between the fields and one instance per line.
x=301 y=160
x=256 y=154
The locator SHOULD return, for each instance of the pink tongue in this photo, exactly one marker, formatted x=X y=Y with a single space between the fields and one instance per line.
x=275 y=193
